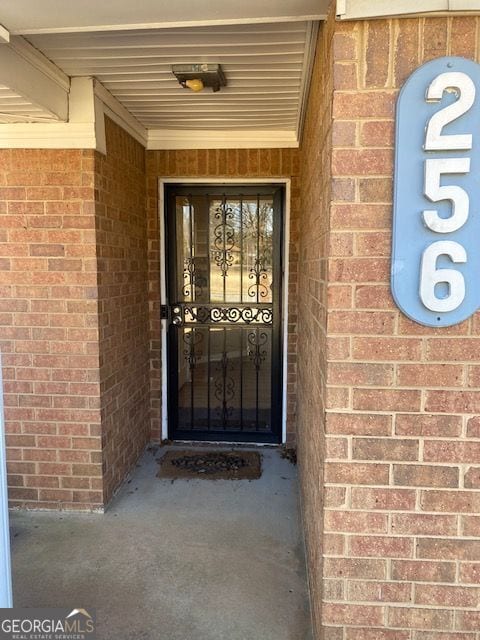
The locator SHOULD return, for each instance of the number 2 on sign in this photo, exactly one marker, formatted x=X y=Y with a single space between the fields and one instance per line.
x=435 y=140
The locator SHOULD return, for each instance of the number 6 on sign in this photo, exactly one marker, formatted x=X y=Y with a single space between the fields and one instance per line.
x=431 y=276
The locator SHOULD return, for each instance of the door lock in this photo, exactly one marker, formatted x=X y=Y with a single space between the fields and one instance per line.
x=177 y=319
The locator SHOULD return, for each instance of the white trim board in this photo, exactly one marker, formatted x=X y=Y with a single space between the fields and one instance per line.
x=34 y=17
x=57 y=135
x=286 y=182
x=249 y=139
x=307 y=75
x=5 y=562
x=180 y=24
x=85 y=135
x=119 y=114
x=4 y=35
x=364 y=9
x=89 y=102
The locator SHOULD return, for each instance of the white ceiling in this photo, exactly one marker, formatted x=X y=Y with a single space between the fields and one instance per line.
x=265 y=48
x=15 y=108
x=265 y=64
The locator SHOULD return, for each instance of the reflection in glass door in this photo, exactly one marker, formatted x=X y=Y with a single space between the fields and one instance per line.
x=224 y=289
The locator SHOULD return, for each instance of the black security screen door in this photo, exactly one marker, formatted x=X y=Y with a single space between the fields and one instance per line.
x=224 y=291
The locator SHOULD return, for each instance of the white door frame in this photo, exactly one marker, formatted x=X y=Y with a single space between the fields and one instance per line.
x=5 y=561
x=286 y=182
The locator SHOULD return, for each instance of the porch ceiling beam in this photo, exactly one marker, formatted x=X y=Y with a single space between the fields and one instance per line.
x=27 y=72
x=24 y=17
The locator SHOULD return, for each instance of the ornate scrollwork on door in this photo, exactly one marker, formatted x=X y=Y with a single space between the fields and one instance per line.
x=204 y=314
x=224 y=238
x=224 y=388
x=259 y=274
x=256 y=352
x=223 y=314
x=192 y=340
x=194 y=284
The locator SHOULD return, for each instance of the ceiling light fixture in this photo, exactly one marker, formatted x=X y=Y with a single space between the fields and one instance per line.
x=198 y=76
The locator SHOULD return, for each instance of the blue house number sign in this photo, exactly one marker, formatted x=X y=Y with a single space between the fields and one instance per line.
x=436 y=227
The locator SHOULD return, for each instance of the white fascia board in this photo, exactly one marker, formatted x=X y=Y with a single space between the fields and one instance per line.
x=309 y=61
x=89 y=102
x=464 y=5
x=181 y=24
x=4 y=35
x=172 y=139
x=29 y=73
x=362 y=9
x=119 y=114
x=53 y=135
x=78 y=133
x=34 y=17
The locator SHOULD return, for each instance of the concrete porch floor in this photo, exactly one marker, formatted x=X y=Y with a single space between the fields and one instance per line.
x=188 y=560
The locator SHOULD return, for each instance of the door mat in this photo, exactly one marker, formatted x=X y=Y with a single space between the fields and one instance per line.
x=211 y=465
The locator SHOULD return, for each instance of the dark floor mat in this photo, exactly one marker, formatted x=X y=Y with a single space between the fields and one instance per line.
x=211 y=465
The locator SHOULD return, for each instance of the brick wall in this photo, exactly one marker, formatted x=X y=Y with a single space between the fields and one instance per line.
x=121 y=227
x=76 y=333
x=73 y=321
x=49 y=333
x=209 y=164
x=401 y=550
x=316 y=194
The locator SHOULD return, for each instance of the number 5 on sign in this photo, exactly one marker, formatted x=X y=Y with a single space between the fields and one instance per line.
x=436 y=226
x=434 y=169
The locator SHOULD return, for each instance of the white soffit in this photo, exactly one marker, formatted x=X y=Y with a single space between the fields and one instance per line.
x=265 y=48
x=358 y=9
x=23 y=17
x=267 y=68
x=16 y=108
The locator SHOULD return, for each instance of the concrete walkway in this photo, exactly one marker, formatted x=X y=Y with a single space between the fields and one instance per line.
x=188 y=560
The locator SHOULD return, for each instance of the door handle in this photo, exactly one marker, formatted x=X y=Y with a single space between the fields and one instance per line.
x=177 y=319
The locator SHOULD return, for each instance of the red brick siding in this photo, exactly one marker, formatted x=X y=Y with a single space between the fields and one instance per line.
x=121 y=228
x=74 y=320
x=209 y=164
x=48 y=328
x=401 y=472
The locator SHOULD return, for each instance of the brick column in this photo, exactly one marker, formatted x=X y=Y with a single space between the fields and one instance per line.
x=49 y=330
x=74 y=321
x=402 y=471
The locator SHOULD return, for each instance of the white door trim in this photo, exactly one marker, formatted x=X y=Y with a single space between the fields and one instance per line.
x=286 y=182
x=5 y=562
